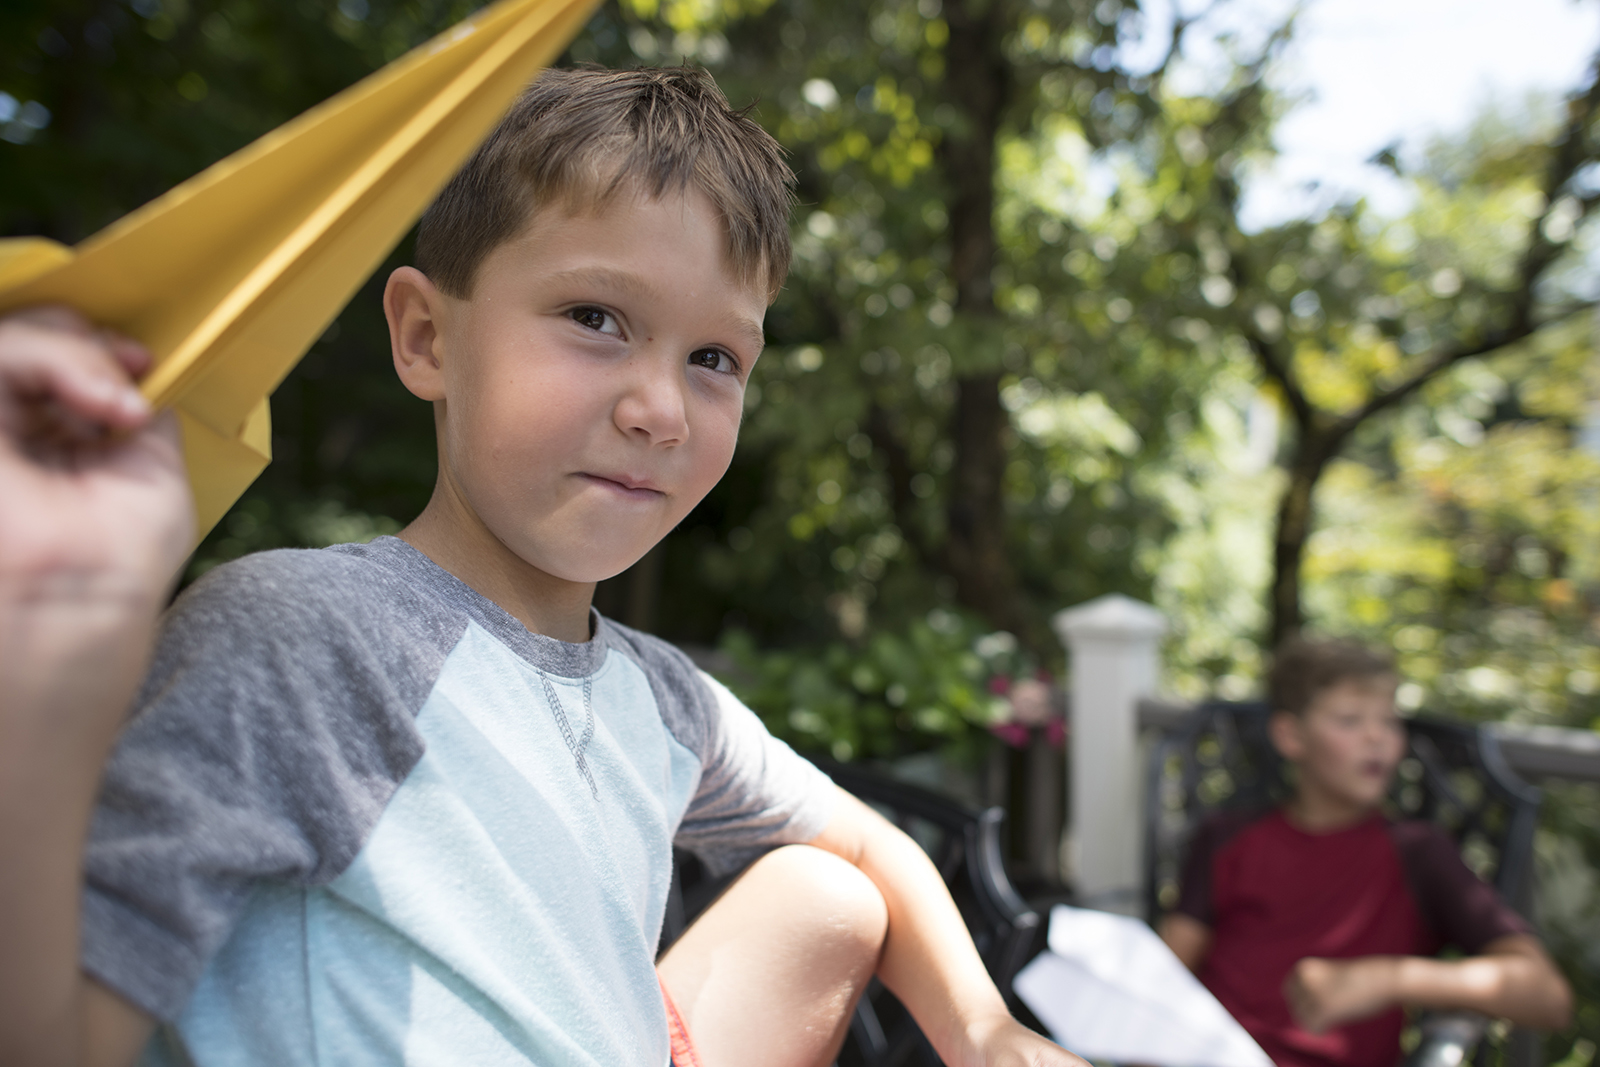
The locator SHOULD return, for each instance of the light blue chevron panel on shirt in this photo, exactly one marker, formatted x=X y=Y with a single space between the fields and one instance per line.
x=541 y=906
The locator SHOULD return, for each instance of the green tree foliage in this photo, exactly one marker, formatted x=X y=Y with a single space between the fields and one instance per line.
x=1484 y=263
x=1022 y=324
x=1028 y=354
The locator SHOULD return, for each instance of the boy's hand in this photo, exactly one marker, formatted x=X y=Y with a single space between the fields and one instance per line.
x=96 y=502
x=95 y=518
x=928 y=959
x=1513 y=979
x=1010 y=1044
x=1323 y=994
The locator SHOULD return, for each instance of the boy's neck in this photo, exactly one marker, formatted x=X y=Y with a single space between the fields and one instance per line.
x=457 y=540
x=1319 y=812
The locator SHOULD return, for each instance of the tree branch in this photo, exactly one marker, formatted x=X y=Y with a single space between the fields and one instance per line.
x=1444 y=359
x=1180 y=26
x=1541 y=252
x=1281 y=372
x=1277 y=366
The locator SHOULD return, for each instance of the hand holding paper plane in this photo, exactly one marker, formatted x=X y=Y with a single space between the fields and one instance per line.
x=1109 y=989
x=231 y=276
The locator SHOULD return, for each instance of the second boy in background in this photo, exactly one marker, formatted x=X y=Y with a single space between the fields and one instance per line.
x=1314 y=924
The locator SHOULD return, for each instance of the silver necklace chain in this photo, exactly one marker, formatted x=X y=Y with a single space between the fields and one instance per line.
x=575 y=745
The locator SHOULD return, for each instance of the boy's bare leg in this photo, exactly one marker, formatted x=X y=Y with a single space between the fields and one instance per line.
x=770 y=974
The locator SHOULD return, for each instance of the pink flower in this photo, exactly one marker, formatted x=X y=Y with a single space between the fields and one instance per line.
x=1055 y=732
x=1012 y=733
x=1030 y=702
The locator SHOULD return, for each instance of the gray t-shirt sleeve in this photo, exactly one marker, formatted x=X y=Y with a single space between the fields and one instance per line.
x=272 y=729
x=755 y=792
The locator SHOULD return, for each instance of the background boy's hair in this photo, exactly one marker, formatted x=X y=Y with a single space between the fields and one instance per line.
x=1303 y=667
x=580 y=137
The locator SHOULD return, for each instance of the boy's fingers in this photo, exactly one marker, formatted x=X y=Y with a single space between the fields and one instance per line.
x=50 y=355
x=134 y=357
x=57 y=317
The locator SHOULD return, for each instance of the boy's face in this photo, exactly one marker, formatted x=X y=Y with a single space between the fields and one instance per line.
x=589 y=391
x=1347 y=743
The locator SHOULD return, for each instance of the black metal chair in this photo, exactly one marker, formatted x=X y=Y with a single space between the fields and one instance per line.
x=1453 y=773
x=965 y=847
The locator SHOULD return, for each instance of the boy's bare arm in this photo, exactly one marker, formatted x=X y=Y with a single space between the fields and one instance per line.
x=929 y=961
x=96 y=520
x=1513 y=979
x=1188 y=938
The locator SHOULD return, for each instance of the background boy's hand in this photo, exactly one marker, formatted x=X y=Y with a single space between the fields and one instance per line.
x=96 y=501
x=1323 y=994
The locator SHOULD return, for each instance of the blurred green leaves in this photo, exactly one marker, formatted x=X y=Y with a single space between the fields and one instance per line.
x=889 y=695
x=1142 y=447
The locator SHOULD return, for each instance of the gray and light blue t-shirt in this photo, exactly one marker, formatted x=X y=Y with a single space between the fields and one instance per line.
x=346 y=825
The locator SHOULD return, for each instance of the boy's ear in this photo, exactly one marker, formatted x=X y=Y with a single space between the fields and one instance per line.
x=414 y=306
x=1288 y=735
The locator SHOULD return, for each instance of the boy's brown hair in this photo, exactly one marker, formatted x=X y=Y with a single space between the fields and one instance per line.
x=580 y=137
x=1303 y=667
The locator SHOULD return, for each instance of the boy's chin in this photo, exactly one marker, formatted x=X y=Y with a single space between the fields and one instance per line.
x=1364 y=795
x=594 y=568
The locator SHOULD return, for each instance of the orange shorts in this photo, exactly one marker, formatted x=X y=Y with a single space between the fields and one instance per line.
x=683 y=1053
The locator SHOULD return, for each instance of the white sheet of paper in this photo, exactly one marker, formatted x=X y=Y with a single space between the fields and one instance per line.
x=1109 y=989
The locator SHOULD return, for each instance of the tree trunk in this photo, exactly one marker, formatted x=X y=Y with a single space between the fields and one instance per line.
x=975 y=552
x=977 y=79
x=1293 y=531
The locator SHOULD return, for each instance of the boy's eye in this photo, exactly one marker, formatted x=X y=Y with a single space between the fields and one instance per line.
x=596 y=319
x=714 y=359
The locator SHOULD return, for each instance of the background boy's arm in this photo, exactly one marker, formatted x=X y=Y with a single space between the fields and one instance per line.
x=1513 y=979
x=1187 y=937
x=929 y=961
x=96 y=521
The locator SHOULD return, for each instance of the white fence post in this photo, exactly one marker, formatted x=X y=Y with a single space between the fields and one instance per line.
x=1113 y=642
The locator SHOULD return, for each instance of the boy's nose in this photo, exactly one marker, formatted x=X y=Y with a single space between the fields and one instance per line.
x=652 y=403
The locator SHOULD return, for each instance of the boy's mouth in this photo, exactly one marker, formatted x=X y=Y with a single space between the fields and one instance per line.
x=631 y=487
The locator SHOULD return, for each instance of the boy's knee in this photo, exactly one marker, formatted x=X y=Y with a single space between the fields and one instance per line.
x=827 y=892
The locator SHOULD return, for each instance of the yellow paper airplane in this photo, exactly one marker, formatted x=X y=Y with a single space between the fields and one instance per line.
x=231 y=276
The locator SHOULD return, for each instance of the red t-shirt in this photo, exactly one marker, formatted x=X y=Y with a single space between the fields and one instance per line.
x=1274 y=894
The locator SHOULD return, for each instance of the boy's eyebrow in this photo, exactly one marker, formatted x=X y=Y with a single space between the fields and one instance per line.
x=633 y=285
x=754 y=335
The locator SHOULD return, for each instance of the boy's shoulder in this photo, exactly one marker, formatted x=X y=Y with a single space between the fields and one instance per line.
x=696 y=708
x=303 y=584
x=1421 y=837
x=1456 y=903
x=667 y=666
x=292 y=631
x=384 y=598
x=1225 y=826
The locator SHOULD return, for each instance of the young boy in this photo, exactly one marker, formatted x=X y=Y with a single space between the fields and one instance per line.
x=1313 y=924
x=414 y=801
